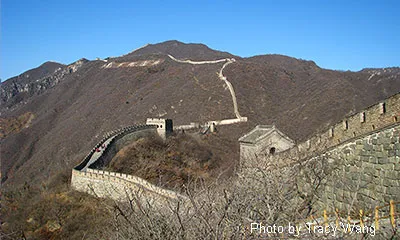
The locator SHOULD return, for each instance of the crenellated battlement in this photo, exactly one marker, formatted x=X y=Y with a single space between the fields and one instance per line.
x=362 y=152
x=110 y=137
x=164 y=126
x=372 y=119
x=112 y=184
x=129 y=181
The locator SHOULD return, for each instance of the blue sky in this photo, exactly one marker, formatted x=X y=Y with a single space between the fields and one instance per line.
x=343 y=35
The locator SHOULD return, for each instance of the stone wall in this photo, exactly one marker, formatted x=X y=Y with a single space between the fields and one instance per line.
x=363 y=155
x=119 y=186
x=372 y=119
x=120 y=141
x=109 y=138
x=114 y=185
x=366 y=172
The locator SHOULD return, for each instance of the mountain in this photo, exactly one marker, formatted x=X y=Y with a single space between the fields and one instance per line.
x=71 y=108
x=37 y=73
x=179 y=50
x=34 y=81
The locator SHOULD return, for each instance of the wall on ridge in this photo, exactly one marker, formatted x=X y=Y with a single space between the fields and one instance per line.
x=358 y=174
x=361 y=155
x=372 y=119
x=119 y=186
x=114 y=185
x=118 y=143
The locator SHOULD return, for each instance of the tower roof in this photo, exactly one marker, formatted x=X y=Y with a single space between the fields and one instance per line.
x=260 y=132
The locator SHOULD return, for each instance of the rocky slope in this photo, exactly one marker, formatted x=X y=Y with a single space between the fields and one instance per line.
x=73 y=109
x=34 y=82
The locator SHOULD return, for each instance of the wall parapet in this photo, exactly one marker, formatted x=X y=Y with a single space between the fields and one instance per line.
x=94 y=174
x=375 y=118
x=363 y=172
x=359 y=157
x=87 y=179
x=111 y=135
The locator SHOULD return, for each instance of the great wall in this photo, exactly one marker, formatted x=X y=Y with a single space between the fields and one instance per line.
x=221 y=76
x=364 y=145
x=118 y=186
x=210 y=125
x=371 y=120
x=110 y=184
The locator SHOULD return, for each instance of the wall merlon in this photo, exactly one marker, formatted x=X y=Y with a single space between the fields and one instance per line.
x=371 y=119
x=364 y=171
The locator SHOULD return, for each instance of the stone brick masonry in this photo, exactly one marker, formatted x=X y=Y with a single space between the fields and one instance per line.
x=114 y=185
x=367 y=172
x=364 y=151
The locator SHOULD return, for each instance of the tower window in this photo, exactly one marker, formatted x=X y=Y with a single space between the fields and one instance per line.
x=362 y=117
x=383 y=108
x=345 y=125
x=272 y=150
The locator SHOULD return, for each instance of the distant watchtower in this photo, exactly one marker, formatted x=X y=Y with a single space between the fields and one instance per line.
x=164 y=126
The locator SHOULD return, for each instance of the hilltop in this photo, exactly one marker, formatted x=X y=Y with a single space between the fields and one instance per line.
x=178 y=49
x=73 y=105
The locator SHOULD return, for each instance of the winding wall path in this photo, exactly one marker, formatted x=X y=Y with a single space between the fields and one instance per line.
x=223 y=78
x=117 y=185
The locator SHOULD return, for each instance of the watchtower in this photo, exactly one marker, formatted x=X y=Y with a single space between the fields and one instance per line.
x=164 y=126
x=263 y=139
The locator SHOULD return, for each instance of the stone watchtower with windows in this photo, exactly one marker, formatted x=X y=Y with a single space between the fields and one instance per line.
x=263 y=140
x=164 y=126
